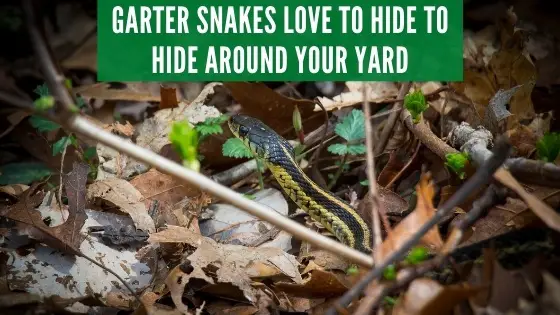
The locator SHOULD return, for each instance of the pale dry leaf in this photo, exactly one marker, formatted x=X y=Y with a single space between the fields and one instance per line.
x=376 y=92
x=128 y=199
x=408 y=226
x=426 y=296
x=14 y=189
x=541 y=209
x=235 y=262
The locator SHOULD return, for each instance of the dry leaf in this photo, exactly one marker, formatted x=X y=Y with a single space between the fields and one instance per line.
x=230 y=264
x=168 y=98
x=122 y=194
x=275 y=110
x=541 y=209
x=320 y=284
x=423 y=212
x=426 y=297
x=376 y=92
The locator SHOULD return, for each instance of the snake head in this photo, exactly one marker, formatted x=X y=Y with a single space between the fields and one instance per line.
x=257 y=136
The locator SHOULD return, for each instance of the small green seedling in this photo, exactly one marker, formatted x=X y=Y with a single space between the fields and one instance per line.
x=235 y=148
x=352 y=270
x=211 y=126
x=416 y=104
x=298 y=125
x=548 y=147
x=417 y=255
x=364 y=182
x=185 y=141
x=351 y=129
x=457 y=163
x=390 y=273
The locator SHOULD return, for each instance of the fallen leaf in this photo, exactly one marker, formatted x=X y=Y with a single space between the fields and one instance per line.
x=14 y=189
x=65 y=237
x=118 y=92
x=523 y=139
x=128 y=199
x=541 y=209
x=84 y=57
x=423 y=212
x=168 y=98
x=275 y=110
x=229 y=265
x=168 y=191
x=126 y=130
x=319 y=284
x=426 y=297
x=376 y=92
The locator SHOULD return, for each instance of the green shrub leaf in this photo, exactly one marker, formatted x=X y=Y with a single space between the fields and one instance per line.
x=235 y=148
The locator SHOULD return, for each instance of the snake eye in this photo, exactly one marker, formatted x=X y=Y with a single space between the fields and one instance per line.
x=243 y=131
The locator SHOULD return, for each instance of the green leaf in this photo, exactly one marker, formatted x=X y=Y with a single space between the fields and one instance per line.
x=457 y=162
x=338 y=148
x=548 y=147
x=206 y=130
x=42 y=124
x=356 y=149
x=352 y=270
x=61 y=144
x=296 y=119
x=390 y=301
x=416 y=104
x=390 y=273
x=43 y=103
x=185 y=141
x=364 y=182
x=42 y=90
x=90 y=153
x=80 y=102
x=235 y=148
x=417 y=255
x=23 y=173
x=352 y=126
x=249 y=196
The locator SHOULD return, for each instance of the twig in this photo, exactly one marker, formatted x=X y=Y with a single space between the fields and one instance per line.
x=482 y=176
x=338 y=172
x=370 y=162
x=384 y=137
x=405 y=167
x=493 y=195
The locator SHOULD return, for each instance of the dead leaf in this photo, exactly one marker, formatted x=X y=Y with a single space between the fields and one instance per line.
x=229 y=264
x=126 y=130
x=523 y=139
x=426 y=297
x=84 y=57
x=319 y=284
x=168 y=98
x=154 y=185
x=423 y=212
x=122 y=194
x=261 y=102
x=118 y=92
x=14 y=190
x=376 y=92
x=66 y=236
x=541 y=209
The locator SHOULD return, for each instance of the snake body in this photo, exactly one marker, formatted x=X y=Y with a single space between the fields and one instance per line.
x=322 y=206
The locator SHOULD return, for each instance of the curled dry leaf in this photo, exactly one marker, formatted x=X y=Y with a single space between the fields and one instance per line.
x=376 y=92
x=426 y=297
x=319 y=284
x=423 y=212
x=128 y=199
x=169 y=192
x=230 y=264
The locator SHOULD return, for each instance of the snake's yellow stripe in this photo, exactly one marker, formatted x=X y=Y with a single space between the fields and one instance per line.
x=324 y=207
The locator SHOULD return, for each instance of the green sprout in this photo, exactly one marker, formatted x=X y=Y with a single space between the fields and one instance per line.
x=351 y=129
x=211 y=126
x=185 y=141
x=457 y=163
x=352 y=270
x=416 y=104
x=417 y=255
x=390 y=273
x=548 y=147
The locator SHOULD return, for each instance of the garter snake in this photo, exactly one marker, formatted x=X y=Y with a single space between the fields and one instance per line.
x=322 y=206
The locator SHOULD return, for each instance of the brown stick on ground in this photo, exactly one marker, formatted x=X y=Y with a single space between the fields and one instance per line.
x=388 y=129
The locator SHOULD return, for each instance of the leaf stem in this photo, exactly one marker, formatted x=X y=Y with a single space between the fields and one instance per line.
x=338 y=172
x=260 y=173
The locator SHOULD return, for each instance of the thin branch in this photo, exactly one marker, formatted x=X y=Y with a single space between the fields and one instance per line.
x=384 y=137
x=370 y=160
x=482 y=176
